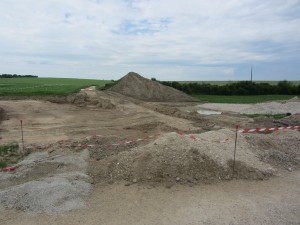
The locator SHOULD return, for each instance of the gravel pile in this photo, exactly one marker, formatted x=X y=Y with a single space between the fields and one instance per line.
x=47 y=184
x=280 y=149
x=175 y=158
x=61 y=193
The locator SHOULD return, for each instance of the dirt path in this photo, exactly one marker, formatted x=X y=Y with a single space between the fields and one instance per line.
x=276 y=201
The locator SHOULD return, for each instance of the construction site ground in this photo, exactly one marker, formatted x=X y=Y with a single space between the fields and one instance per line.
x=103 y=158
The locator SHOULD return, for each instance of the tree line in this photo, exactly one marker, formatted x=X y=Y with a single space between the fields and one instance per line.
x=17 y=76
x=237 y=88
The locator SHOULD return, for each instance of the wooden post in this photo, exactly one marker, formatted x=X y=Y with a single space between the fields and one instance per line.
x=236 y=132
x=22 y=136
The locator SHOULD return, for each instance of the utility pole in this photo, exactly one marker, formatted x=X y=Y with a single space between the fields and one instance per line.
x=251 y=73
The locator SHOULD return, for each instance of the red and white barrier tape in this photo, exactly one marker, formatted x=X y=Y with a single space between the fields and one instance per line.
x=267 y=129
x=8 y=169
x=200 y=139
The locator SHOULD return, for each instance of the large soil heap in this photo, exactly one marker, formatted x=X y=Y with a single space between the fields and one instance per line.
x=136 y=86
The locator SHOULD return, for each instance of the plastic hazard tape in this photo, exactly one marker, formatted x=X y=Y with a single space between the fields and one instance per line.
x=11 y=169
x=8 y=169
x=267 y=129
x=186 y=135
x=200 y=139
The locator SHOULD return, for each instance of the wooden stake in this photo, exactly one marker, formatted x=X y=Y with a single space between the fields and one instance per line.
x=236 y=132
x=22 y=136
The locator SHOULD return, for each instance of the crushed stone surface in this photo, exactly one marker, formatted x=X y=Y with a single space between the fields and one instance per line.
x=49 y=195
x=47 y=184
x=259 y=108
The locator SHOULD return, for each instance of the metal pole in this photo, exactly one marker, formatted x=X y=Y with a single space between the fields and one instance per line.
x=236 y=132
x=22 y=136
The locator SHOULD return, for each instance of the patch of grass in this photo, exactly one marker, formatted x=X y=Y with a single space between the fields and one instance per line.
x=45 y=86
x=275 y=116
x=12 y=147
x=3 y=164
x=242 y=99
x=6 y=149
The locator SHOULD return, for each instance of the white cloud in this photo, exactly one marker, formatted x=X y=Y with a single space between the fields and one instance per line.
x=112 y=37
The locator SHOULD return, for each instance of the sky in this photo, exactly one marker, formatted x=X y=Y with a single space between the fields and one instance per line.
x=166 y=39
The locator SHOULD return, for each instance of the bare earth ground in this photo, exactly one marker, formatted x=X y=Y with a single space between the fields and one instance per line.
x=272 y=201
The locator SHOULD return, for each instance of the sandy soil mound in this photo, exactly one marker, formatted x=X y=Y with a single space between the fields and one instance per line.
x=134 y=85
x=85 y=98
x=175 y=158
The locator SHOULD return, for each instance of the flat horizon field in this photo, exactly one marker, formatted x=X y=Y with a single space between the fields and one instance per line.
x=64 y=86
x=45 y=86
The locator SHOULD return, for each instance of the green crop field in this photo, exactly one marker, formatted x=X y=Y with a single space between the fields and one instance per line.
x=242 y=99
x=45 y=86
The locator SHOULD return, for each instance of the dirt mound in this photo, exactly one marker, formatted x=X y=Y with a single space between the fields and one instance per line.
x=83 y=98
x=292 y=120
x=136 y=86
x=176 y=158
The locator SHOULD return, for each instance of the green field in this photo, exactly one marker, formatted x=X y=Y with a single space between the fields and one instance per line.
x=65 y=86
x=45 y=86
x=242 y=99
x=223 y=82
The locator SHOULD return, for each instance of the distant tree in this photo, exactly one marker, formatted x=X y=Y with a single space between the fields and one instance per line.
x=235 y=88
x=17 y=76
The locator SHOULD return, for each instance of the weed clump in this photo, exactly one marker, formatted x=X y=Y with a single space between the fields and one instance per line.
x=9 y=154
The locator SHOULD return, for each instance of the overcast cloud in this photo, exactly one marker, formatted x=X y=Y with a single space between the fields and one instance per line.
x=166 y=39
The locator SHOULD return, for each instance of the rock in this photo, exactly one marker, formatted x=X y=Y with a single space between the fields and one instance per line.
x=290 y=169
x=134 y=180
x=178 y=179
x=169 y=185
